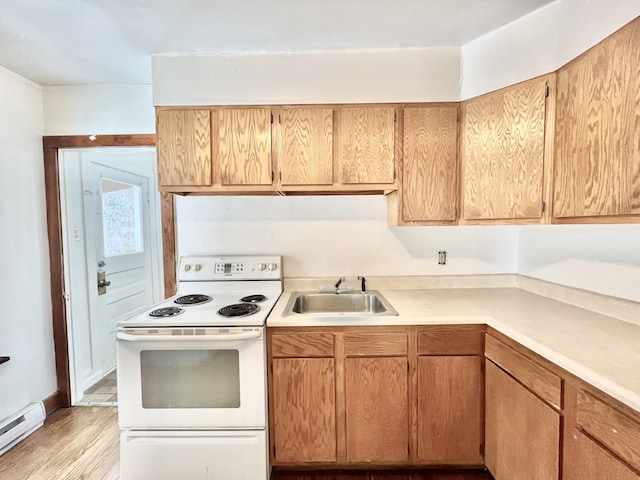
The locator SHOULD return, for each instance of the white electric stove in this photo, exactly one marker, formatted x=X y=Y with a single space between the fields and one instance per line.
x=192 y=374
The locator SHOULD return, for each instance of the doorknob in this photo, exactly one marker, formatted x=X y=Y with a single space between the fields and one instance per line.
x=102 y=283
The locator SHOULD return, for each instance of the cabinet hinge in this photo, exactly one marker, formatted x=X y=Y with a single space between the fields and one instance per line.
x=546 y=91
x=544 y=206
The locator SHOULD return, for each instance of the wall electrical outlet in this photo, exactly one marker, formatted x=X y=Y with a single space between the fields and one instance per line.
x=442 y=257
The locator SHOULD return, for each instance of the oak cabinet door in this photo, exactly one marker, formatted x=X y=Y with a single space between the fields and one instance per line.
x=365 y=140
x=502 y=153
x=592 y=462
x=306 y=146
x=243 y=146
x=377 y=409
x=522 y=433
x=597 y=139
x=430 y=164
x=304 y=410
x=450 y=416
x=183 y=147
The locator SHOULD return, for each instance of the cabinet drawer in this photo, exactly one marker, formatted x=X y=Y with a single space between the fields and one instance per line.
x=375 y=344
x=301 y=345
x=613 y=429
x=450 y=343
x=536 y=378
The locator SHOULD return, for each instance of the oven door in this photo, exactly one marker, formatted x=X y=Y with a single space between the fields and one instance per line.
x=199 y=378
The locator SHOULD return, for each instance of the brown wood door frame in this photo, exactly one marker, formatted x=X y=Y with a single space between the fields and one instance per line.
x=51 y=146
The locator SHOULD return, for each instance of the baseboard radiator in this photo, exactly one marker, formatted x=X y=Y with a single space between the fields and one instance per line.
x=21 y=425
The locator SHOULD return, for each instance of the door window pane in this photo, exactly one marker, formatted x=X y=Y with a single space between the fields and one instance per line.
x=121 y=218
x=190 y=378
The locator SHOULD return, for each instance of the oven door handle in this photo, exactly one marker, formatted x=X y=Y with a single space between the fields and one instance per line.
x=222 y=337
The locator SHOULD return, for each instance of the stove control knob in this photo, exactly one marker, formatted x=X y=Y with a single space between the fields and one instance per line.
x=262 y=267
x=272 y=267
x=187 y=267
x=197 y=267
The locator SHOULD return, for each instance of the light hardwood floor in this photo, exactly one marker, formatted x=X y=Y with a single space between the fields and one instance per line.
x=81 y=443
x=75 y=443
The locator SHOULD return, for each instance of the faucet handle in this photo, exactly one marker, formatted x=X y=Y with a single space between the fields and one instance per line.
x=363 y=284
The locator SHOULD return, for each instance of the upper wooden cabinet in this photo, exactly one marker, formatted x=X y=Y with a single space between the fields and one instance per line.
x=503 y=153
x=597 y=141
x=242 y=146
x=365 y=145
x=305 y=156
x=183 y=147
x=428 y=191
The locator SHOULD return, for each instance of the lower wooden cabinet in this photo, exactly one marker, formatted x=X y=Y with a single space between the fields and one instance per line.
x=304 y=410
x=450 y=391
x=522 y=432
x=592 y=462
x=368 y=396
x=376 y=373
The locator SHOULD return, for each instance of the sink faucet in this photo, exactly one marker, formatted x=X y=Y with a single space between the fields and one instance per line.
x=363 y=287
x=338 y=283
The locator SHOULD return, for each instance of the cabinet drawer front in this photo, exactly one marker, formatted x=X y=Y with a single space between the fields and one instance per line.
x=302 y=345
x=536 y=378
x=450 y=343
x=375 y=344
x=612 y=428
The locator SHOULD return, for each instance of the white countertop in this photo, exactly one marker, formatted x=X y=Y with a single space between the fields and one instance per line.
x=599 y=349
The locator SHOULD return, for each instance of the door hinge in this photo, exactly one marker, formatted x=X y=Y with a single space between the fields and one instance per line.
x=546 y=91
x=544 y=206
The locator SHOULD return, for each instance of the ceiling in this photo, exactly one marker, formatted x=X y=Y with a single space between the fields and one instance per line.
x=84 y=42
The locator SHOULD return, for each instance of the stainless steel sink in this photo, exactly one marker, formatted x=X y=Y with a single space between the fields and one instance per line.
x=329 y=304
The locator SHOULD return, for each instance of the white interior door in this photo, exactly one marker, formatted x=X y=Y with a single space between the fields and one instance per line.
x=90 y=316
x=118 y=246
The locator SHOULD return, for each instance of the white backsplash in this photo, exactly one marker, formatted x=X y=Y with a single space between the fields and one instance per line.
x=338 y=235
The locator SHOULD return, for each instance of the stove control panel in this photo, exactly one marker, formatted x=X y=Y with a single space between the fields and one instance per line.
x=246 y=267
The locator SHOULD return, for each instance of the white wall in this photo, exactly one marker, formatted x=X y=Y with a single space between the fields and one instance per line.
x=540 y=42
x=603 y=259
x=337 y=235
x=98 y=109
x=352 y=76
x=25 y=328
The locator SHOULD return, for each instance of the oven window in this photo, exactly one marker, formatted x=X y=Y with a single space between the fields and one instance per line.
x=190 y=378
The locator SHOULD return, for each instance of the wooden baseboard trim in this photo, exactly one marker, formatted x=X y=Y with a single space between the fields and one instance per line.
x=52 y=403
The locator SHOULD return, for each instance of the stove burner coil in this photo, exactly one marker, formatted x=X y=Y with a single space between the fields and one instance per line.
x=166 y=312
x=194 y=299
x=253 y=299
x=239 y=310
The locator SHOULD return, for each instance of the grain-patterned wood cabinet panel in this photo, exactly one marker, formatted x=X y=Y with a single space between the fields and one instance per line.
x=593 y=462
x=184 y=147
x=522 y=433
x=613 y=429
x=430 y=159
x=539 y=380
x=597 y=138
x=365 y=144
x=375 y=344
x=304 y=410
x=302 y=345
x=377 y=410
x=450 y=343
x=450 y=410
x=306 y=149
x=243 y=146
x=502 y=152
